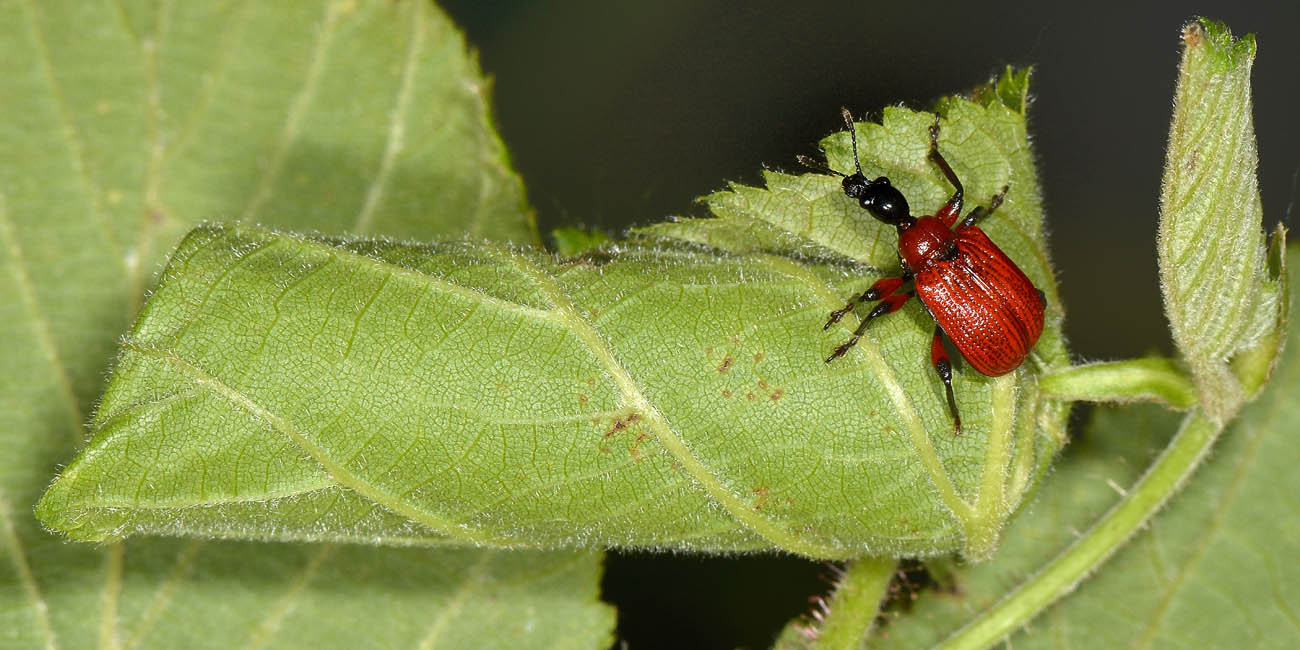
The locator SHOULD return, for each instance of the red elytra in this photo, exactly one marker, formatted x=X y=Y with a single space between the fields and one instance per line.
x=979 y=298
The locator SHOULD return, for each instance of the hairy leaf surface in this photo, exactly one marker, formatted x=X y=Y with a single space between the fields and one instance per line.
x=1214 y=274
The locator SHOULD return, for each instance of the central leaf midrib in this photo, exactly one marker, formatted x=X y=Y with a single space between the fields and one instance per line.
x=635 y=398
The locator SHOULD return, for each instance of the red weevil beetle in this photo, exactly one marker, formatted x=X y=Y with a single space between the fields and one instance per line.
x=979 y=297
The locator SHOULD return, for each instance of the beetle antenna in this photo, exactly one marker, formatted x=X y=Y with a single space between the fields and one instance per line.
x=810 y=163
x=853 y=135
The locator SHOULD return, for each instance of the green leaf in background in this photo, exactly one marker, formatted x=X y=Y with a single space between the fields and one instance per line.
x=1219 y=296
x=125 y=124
x=284 y=387
x=1216 y=569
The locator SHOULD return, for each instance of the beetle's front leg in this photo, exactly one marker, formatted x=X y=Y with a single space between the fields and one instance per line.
x=980 y=211
x=888 y=305
x=882 y=288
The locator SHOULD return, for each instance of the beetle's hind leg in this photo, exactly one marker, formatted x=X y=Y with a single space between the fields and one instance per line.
x=939 y=359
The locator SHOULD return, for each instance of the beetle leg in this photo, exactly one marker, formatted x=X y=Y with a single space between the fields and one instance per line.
x=939 y=359
x=952 y=209
x=980 y=212
x=883 y=288
x=888 y=305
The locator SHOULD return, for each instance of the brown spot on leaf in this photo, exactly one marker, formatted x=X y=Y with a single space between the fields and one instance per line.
x=758 y=356
x=622 y=423
x=726 y=364
x=619 y=425
x=776 y=394
x=726 y=393
x=582 y=399
x=749 y=396
x=636 y=445
x=762 y=497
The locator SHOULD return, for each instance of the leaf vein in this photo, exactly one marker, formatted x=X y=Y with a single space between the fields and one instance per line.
x=40 y=326
x=164 y=592
x=473 y=578
x=356 y=322
x=69 y=132
x=293 y=116
x=231 y=31
x=114 y=559
x=150 y=204
x=263 y=632
x=396 y=128
x=40 y=609
x=1239 y=473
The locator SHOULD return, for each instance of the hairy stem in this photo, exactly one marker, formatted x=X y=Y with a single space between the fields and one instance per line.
x=851 y=613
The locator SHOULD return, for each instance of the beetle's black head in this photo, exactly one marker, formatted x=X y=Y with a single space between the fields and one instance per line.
x=880 y=198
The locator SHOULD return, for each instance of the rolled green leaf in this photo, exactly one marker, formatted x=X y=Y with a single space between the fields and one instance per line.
x=286 y=387
x=1220 y=296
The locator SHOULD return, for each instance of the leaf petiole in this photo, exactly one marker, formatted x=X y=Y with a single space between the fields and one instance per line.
x=1152 y=379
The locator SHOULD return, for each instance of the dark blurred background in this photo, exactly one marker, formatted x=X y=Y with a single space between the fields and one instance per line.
x=622 y=113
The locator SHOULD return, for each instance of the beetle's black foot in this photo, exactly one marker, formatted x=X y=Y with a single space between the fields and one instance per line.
x=839 y=352
x=837 y=315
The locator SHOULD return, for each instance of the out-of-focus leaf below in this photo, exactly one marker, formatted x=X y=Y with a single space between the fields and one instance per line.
x=122 y=126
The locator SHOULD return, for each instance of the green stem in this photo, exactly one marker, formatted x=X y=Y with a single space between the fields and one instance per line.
x=852 y=610
x=1151 y=379
x=1063 y=574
